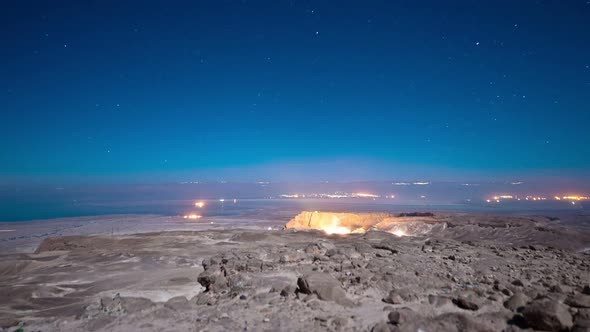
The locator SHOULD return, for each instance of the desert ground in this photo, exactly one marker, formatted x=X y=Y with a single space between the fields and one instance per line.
x=315 y=272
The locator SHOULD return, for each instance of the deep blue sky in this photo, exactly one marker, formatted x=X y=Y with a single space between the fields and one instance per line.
x=244 y=90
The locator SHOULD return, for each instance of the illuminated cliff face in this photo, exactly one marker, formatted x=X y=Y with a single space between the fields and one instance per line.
x=350 y=223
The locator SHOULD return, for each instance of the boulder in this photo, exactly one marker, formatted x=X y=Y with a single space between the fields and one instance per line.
x=578 y=301
x=119 y=305
x=516 y=301
x=449 y=322
x=393 y=298
x=381 y=327
x=548 y=315
x=178 y=303
x=326 y=287
x=402 y=316
x=213 y=280
x=467 y=302
x=438 y=300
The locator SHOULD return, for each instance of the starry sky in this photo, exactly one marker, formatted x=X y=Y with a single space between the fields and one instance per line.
x=281 y=90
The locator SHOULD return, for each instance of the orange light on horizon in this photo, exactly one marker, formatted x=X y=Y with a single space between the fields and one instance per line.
x=192 y=216
x=576 y=198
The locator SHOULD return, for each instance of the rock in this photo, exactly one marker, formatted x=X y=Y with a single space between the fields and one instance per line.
x=507 y=292
x=518 y=283
x=466 y=302
x=386 y=245
x=292 y=257
x=204 y=299
x=449 y=322
x=495 y=320
x=546 y=314
x=579 y=328
x=560 y=289
x=583 y=314
x=393 y=298
x=288 y=290
x=438 y=301
x=178 y=303
x=326 y=287
x=213 y=280
x=338 y=323
x=119 y=305
x=6 y=322
x=381 y=327
x=578 y=301
x=402 y=315
x=516 y=301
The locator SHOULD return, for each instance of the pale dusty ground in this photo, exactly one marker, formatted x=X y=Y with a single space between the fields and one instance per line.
x=478 y=273
x=26 y=236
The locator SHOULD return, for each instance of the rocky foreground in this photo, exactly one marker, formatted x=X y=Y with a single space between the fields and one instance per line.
x=475 y=273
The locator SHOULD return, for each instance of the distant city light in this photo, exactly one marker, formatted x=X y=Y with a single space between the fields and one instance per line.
x=192 y=216
x=576 y=198
x=365 y=195
x=572 y=198
x=200 y=204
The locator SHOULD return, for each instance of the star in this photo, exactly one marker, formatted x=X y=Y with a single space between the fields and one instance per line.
x=477 y=43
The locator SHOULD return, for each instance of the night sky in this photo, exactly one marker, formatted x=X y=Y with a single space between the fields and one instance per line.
x=283 y=90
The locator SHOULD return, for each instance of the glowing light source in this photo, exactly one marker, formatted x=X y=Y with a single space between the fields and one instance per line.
x=576 y=198
x=366 y=195
x=398 y=232
x=200 y=204
x=335 y=228
x=192 y=216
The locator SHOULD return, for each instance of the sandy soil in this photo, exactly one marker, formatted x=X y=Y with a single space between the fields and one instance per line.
x=478 y=273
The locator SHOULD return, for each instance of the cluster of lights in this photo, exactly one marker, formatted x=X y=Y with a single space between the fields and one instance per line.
x=192 y=216
x=571 y=198
x=365 y=195
x=418 y=183
x=334 y=195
